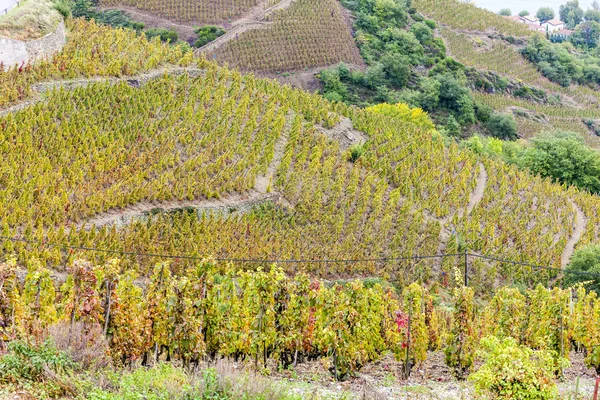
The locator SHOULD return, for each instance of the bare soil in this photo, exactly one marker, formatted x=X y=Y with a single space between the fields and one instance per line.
x=580 y=224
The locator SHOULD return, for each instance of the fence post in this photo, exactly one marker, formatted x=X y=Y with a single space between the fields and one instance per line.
x=466 y=268
x=406 y=363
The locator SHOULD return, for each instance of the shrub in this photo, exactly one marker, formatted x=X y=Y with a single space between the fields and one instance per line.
x=514 y=372
x=207 y=34
x=38 y=367
x=505 y=12
x=565 y=158
x=585 y=259
x=502 y=126
x=63 y=7
x=165 y=35
x=355 y=152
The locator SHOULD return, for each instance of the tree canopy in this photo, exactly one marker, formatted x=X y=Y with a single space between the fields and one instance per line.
x=565 y=158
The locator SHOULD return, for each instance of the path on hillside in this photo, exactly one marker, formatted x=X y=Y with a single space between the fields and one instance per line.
x=254 y=19
x=580 y=226
x=479 y=191
x=231 y=34
x=230 y=204
x=69 y=84
x=474 y=199
x=264 y=183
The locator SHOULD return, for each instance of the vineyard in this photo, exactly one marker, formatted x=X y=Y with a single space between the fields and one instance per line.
x=264 y=315
x=355 y=197
x=221 y=134
x=309 y=34
x=188 y=10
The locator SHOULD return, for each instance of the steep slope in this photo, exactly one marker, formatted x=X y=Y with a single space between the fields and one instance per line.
x=205 y=132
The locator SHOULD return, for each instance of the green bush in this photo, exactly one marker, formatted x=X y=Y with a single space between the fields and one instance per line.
x=502 y=126
x=207 y=34
x=63 y=7
x=514 y=372
x=355 y=152
x=39 y=368
x=585 y=259
x=565 y=158
x=165 y=35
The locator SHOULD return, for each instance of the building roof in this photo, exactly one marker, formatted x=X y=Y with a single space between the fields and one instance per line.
x=530 y=18
x=564 y=32
x=515 y=18
x=534 y=27
x=555 y=22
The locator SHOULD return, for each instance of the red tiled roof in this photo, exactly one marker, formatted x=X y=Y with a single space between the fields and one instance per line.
x=555 y=22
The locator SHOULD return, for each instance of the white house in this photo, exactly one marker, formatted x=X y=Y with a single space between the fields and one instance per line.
x=531 y=19
x=553 y=25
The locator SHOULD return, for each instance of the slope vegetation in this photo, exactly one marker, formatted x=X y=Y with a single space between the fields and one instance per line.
x=87 y=147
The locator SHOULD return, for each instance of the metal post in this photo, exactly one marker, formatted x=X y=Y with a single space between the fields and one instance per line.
x=466 y=268
x=406 y=366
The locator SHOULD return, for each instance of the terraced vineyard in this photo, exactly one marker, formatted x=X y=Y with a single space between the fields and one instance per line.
x=463 y=16
x=215 y=209
x=189 y=10
x=402 y=197
x=309 y=34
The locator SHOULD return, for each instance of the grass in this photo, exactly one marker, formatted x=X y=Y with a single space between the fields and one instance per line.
x=31 y=20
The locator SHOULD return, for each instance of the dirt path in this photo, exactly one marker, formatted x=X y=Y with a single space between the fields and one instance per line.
x=264 y=183
x=580 y=226
x=235 y=203
x=253 y=19
x=185 y=31
x=479 y=191
x=133 y=80
x=231 y=34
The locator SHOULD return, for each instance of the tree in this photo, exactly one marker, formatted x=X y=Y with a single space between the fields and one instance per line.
x=422 y=32
x=586 y=259
x=502 y=126
x=397 y=69
x=505 y=12
x=545 y=14
x=565 y=158
x=571 y=13
x=592 y=15
x=587 y=34
x=595 y=5
x=523 y=13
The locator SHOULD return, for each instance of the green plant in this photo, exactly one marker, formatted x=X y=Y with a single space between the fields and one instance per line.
x=461 y=346
x=41 y=368
x=63 y=7
x=355 y=152
x=514 y=372
x=585 y=259
x=207 y=34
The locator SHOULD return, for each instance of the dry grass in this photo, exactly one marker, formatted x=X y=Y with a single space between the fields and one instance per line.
x=85 y=343
x=31 y=20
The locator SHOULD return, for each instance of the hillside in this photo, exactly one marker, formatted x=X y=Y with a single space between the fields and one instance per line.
x=165 y=208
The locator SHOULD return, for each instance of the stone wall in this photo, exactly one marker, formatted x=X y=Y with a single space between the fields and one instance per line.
x=15 y=52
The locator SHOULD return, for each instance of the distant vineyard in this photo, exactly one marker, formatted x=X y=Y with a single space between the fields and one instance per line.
x=465 y=16
x=310 y=33
x=198 y=11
